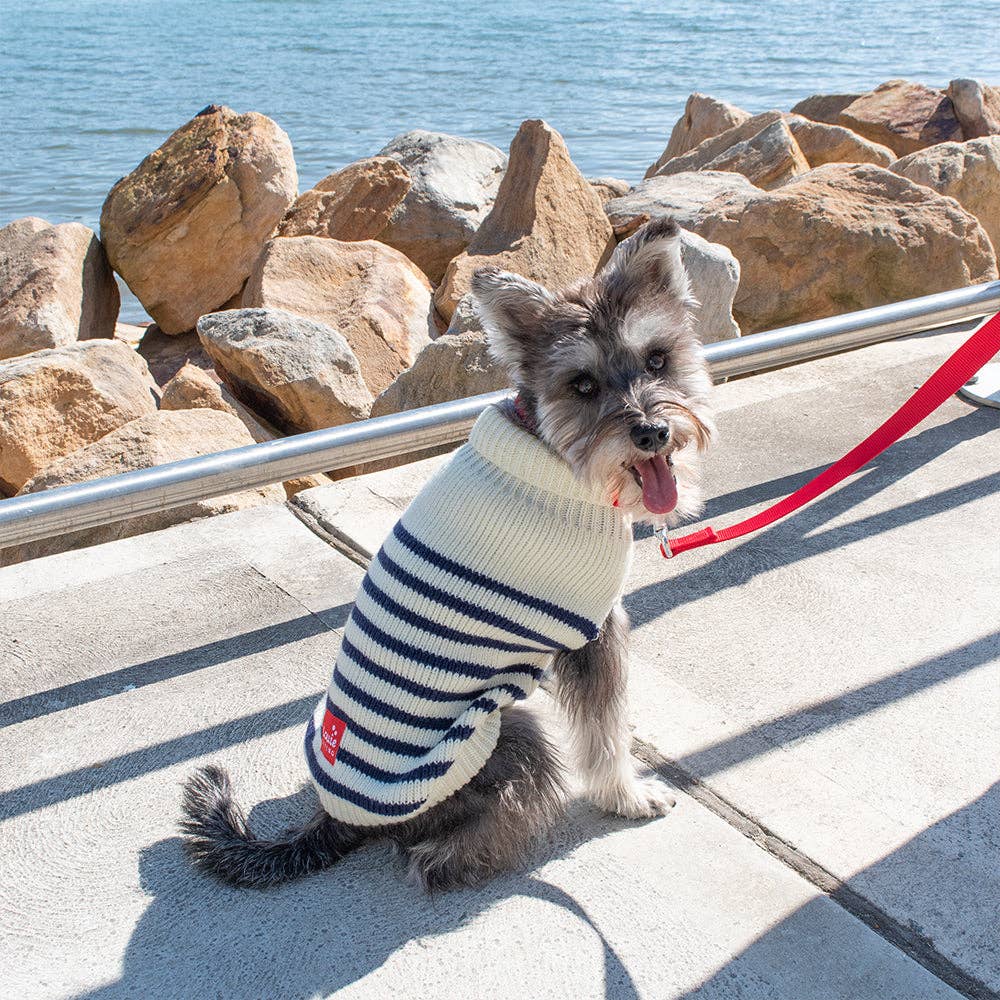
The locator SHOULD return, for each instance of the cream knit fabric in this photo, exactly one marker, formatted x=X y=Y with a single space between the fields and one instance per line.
x=501 y=560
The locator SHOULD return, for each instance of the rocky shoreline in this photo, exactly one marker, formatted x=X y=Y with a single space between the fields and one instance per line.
x=277 y=312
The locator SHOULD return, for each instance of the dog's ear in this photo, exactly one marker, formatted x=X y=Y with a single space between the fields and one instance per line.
x=513 y=310
x=646 y=268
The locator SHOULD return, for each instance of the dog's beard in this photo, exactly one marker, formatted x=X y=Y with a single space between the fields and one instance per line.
x=605 y=457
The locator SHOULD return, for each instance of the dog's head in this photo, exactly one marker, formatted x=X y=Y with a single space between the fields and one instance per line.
x=611 y=371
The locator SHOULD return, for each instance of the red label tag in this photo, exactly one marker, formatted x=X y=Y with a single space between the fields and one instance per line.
x=333 y=733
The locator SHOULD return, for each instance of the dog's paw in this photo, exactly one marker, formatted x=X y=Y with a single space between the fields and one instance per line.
x=642 y=798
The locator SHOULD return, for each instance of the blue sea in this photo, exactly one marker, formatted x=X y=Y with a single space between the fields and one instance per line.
x=89 y=87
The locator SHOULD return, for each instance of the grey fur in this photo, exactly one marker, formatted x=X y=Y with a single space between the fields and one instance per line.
x=606 y=328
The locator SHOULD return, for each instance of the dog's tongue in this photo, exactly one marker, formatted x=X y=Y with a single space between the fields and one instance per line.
x=659 y=489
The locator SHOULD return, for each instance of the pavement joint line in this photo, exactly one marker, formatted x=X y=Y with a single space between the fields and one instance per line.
x=917 y=946
x=339 y=543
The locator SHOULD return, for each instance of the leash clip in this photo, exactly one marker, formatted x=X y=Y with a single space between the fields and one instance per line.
x=664 y=539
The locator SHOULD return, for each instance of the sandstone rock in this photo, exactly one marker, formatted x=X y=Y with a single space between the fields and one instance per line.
x=56 y=287
x=55 y=401
x=769 y=159
x=193 y=388
x=715 y=277
x=373 y=295
x=130 y=333
x=185 y=227
x=149 y=441
x=904 y=116
x=977 y=107
x=824 y=107
x=547 y=222
x=299 y=375
x=609 y=187
x=969 y=172
x=714 y=146
x=703 y=118
x=835 y=144
x=840 y=238
x=355 y=203
x=167 y=355
x=454 y=183
x=681 y=196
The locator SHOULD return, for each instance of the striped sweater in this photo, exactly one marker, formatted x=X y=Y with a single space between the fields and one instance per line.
x=503 y=559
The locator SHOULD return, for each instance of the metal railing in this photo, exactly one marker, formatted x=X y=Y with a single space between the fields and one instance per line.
x=102 y=501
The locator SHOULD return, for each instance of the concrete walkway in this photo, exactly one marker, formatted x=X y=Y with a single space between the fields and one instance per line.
x=825 y=695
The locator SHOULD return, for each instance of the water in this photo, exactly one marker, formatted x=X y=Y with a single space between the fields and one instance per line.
x=89 y=87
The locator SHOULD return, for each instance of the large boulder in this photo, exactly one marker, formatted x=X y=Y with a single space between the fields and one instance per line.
x=715 y=278
x=682 y=197
x=977 y=107
x=454 y=183
x=298 y=374
x=703 y=118
x=821 y=143
x=904 y=116
x=547 y=223
x=768 y=159
x=55 y=401
x=373 y=295
x=56 y=287
x=708 y=149
x=824 y=107
x=185 y=227
x=840 y=238
x=355 y=203
x=969 y=172
x=150 y=441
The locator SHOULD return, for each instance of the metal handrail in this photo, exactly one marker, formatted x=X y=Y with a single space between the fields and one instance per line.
x=131 y=494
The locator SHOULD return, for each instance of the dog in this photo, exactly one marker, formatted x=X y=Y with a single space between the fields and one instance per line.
x=505 y=572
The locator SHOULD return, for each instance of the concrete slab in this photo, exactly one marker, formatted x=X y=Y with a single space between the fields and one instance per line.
x=834 y=679
x=124 y=666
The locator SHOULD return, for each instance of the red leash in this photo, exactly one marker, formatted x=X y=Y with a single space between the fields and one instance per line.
x=946 y=381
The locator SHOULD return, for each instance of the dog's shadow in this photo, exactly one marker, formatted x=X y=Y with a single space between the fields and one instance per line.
x=321 y=934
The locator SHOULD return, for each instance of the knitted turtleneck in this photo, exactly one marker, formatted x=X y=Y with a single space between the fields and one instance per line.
x=503 y=559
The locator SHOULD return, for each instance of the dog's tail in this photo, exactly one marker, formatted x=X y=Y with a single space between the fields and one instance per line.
x=220 y=843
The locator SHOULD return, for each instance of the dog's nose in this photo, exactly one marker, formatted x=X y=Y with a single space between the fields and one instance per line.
x=650 y=437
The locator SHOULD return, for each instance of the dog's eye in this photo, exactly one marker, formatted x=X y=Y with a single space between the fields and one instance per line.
x=656 y=362
x=584 y=385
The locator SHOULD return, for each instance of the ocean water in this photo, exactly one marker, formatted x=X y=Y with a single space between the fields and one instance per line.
x=89 y=87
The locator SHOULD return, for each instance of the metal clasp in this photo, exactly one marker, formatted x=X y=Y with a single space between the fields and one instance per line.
x=664 y=539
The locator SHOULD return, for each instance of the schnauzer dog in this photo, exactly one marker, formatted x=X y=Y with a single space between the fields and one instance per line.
x=506 y=571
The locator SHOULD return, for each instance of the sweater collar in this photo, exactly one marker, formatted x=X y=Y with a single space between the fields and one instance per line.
x=520 y=453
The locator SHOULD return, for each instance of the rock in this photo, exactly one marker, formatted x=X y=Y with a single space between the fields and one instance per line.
x=56 y=287
x=708 y=149
x=824 y=107
x=681 y=196
x=835 y=144
x=703 y=118
x=904 y=116
x=167 y=355
x=371 y=294
x=130 y=333
x=355 y=203
x=609 y=187
x=769 y=159
x=55 y=401
x=977 y=107
x=454 y=183
x=298 y=374
x=193 y=388
x=715 y=277
x=547 y=222
x=149 y=441
x=840 y=238
x=185 y=227
x=969 y=172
